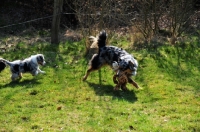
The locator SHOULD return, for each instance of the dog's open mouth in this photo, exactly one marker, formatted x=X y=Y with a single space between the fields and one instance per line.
x=41 y=63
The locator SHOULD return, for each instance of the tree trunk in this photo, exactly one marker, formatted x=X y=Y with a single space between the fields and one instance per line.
x=58 y=4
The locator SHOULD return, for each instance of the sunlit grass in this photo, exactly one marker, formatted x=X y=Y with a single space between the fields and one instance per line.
x=169 y=98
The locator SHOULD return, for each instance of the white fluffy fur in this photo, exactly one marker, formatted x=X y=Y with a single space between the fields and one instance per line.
x=115 y=66
x=34 y=59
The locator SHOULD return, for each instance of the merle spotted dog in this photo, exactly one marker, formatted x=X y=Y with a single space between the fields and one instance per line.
x=108 y=55
x=30 y=65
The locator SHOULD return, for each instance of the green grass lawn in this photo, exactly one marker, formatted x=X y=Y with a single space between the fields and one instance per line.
x=168 y=100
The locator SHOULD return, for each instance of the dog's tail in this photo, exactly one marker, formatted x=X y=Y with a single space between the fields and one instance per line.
x=3 y=63
x=102 y=39
x=93 y=40
x=99 y=41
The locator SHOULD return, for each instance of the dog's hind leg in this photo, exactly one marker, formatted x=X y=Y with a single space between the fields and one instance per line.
x=95 y=64
x=20 y=75
x=87 y=73
x=132 y=82
x=14 y=76
x=91 y=69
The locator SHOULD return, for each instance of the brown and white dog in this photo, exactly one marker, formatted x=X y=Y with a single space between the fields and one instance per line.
x=28 y=65
x=108 y=55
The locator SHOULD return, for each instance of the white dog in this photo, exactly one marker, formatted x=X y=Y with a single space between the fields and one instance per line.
x=30 y=65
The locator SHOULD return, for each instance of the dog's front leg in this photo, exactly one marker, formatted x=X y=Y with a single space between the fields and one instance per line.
x=132 y=82
x=117 y=87
x=35 y=73
x=123 y=87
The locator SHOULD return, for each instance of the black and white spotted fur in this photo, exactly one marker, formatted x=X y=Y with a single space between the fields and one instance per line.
x=108 y=55
x=28 y=65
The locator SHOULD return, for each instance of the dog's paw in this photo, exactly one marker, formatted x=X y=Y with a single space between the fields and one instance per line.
x=43 y=72
x=140 y=88
x=116 y=88
x=115 y=82
x=84 y=78
x=124 y=88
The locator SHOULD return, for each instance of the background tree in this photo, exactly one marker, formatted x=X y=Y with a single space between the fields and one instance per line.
x=151 y=18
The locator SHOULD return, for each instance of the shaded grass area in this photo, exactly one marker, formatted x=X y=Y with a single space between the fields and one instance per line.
x=169 y=98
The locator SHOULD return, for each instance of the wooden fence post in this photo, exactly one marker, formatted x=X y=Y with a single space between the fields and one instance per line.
x=58 y=4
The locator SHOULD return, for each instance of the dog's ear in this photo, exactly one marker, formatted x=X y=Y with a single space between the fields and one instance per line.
x=131 y=65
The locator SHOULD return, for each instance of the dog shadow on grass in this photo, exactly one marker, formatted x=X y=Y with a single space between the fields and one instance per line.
x=108 y=90
x=26 y=83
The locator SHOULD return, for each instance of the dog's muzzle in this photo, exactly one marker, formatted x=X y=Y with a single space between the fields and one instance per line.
x=42 y=63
